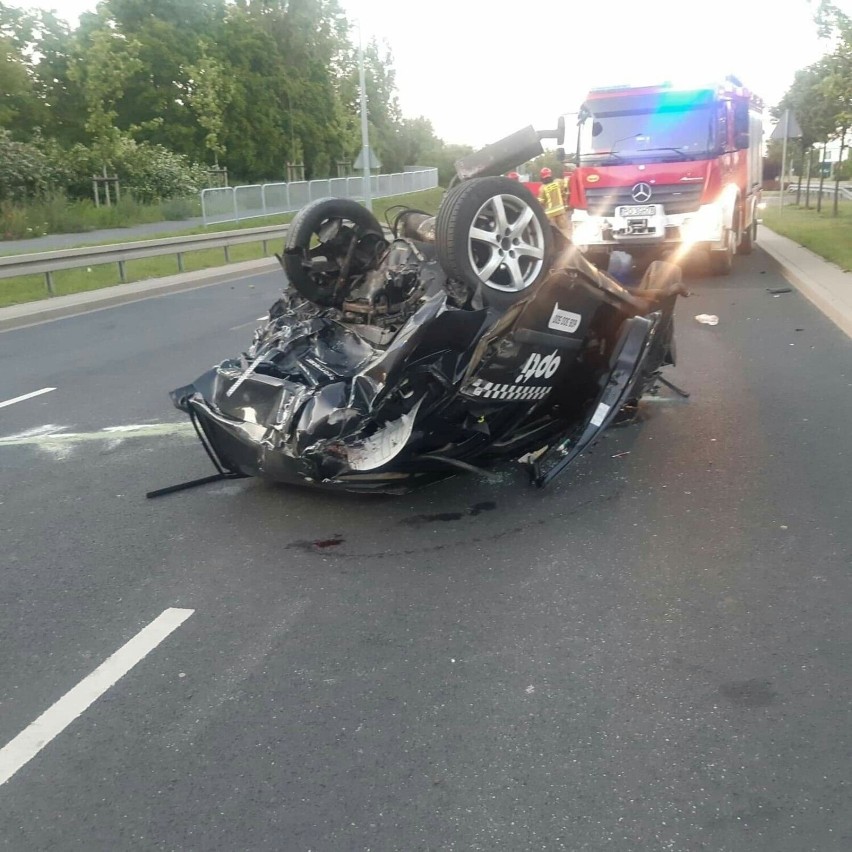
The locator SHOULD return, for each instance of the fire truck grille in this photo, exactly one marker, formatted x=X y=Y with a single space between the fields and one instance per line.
x=675 y=198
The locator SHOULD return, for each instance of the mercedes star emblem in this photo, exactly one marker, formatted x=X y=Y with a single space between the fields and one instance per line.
x=641 y=193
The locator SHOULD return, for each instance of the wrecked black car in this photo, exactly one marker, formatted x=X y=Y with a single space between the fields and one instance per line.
x=400 y=355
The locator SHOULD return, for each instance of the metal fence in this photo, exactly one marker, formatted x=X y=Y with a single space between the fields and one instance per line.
x=48 y=262
x=231 y=204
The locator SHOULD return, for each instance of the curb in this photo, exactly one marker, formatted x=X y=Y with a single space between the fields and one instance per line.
x=59 y=307
x=823 y=283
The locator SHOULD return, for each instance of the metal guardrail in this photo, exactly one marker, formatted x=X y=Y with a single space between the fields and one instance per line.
x=231 y=204
x=48 y=262
x=844 y=192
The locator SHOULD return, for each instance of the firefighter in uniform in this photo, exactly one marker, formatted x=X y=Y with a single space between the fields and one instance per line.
x=552 y=194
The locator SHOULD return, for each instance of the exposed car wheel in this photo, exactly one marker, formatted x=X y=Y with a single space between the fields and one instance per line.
x=722 y=261
x=492 y=232
x=318 y=240
x=748 y=240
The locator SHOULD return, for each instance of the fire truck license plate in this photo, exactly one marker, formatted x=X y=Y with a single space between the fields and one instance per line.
x=636 y=210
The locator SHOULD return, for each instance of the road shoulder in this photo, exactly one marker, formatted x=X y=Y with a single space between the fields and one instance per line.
x=30 y=313
x=823 y=283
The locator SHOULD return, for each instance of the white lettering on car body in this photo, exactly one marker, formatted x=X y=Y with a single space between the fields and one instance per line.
x=540 y=366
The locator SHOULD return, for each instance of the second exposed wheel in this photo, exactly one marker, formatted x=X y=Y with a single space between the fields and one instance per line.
x=492 y=232
x=319 y=245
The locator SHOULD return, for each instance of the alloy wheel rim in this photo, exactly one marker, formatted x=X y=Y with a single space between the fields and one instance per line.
x=506 y=244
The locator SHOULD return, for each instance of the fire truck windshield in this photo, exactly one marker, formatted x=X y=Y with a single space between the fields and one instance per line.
x=622 y=129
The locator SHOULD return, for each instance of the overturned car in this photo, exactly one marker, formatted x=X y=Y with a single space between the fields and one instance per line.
x=399 y=356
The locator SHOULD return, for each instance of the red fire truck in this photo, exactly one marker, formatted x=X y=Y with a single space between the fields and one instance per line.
x=664 y=170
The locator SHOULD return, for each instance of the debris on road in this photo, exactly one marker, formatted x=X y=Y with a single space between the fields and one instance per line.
x=778 y=291
x=619 y=455
x=707 y=319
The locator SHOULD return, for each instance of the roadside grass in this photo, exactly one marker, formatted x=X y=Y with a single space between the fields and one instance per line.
x=59 y=215
x=826 y=235
x=28 y=288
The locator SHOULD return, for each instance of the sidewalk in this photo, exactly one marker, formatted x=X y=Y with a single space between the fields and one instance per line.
x=824 y=283
x=54 y=242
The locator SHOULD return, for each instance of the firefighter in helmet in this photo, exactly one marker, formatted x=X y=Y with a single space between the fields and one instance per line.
x=552 y=194
x=513 y=176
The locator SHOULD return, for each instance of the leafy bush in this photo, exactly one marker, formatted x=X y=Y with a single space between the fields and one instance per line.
x=40 y=168
x=843 y=171
x=28 y=169
x=178 y=209
x=153 y=173
x=80 y=163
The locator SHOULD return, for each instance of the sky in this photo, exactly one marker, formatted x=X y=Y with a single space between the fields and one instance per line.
x=481 y=70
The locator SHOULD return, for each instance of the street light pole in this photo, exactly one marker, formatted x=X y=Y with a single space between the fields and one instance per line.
x=365 y=133
x=784 y=155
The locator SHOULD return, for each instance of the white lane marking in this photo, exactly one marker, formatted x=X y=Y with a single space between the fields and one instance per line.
x=26 y=396
x=35 y=432
x=52 y=436
x=251 y=322
x=60 y=715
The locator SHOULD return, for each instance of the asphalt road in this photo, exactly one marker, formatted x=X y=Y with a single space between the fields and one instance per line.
x=652 y=654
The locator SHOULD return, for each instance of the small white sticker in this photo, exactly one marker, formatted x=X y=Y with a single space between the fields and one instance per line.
x=564 y=320
x=600 y=414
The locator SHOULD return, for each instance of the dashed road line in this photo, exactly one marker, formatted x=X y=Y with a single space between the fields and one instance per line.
x=25 y=396
x=60 y=715
x=250 y=322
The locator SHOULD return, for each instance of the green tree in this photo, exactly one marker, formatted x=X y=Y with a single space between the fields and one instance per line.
x=63 y=98
x=101 y=69
x=836 y=86
x=445 y=159
x=808 y=101
x=284 y=58
x=417 y=141
x=838 y=89
x=209 y=91
x=254 y=133
x=21 y=109
x=169 y=35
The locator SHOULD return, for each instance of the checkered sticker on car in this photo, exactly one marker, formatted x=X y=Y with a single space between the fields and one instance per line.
x=511 y=393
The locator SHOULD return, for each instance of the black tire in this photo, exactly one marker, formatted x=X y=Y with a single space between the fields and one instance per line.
x=722 y=262
x=302 y=233
x=506 y=264
x=746 y=245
